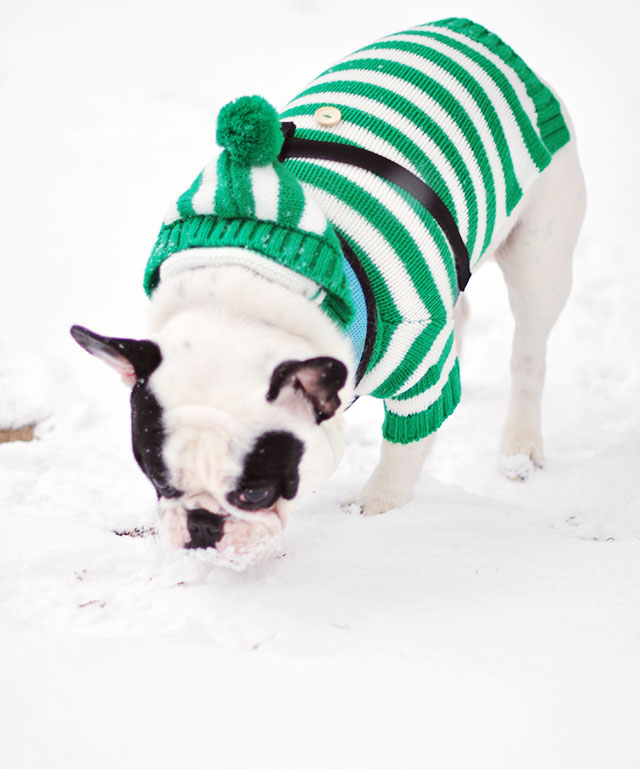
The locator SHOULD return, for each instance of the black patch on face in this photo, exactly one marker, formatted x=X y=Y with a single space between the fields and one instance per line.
x=148 y=436
x=270 y=472
x=318 y=379
x=147 y=428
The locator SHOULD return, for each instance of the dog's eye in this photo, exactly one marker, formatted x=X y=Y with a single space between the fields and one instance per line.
x=256 y=497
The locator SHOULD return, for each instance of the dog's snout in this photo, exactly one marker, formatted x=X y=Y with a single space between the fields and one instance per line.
x=205 y=528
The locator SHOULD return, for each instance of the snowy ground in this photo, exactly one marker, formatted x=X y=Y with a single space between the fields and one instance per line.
x=487 y=624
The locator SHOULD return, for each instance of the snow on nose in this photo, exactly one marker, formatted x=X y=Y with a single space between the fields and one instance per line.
x=245 y=542
x=236 y=542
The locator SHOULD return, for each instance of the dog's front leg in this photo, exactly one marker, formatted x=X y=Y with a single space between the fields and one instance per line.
x=392 y=482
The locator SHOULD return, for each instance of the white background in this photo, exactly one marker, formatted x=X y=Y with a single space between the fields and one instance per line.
x=487 y=624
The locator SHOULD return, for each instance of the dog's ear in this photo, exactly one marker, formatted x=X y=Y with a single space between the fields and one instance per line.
x=132 y=359
x=318 y=379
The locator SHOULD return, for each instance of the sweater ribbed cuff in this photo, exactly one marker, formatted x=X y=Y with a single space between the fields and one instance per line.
x=306 y=253
x=414 y=427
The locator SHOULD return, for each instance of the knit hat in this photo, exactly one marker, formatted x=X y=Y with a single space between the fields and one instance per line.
x=246 y=198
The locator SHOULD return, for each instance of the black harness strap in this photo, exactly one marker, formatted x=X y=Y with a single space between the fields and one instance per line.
x=294 y=147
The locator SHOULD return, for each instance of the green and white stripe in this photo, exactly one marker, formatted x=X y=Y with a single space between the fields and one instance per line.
x=257 y=216
x=454 y=105
x=268 y=194
x=448 y=101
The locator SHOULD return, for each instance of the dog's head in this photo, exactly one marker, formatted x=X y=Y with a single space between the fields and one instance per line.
x=228 y=433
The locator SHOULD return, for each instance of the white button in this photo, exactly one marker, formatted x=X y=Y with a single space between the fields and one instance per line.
x=328 y=116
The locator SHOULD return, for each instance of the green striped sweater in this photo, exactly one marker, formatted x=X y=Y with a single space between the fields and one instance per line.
x=454 y=105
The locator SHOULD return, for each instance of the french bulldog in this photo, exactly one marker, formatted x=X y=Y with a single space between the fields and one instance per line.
x=238 y=394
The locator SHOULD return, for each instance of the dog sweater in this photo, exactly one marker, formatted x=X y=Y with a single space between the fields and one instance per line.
x=453 y=104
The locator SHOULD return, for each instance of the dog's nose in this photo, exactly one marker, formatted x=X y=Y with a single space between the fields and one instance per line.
x=205 y=528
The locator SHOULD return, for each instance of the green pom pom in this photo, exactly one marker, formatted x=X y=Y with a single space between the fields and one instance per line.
x=249 y=129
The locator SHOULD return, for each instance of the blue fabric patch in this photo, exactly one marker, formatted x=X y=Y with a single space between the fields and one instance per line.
x=357 y=330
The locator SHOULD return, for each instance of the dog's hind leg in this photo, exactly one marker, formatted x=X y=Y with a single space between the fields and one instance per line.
x=536 y=260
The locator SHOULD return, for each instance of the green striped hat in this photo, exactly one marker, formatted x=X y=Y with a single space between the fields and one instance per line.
x=246 y=198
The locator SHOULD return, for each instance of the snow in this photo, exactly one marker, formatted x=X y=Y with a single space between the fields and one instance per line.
x=27 y=388
x=487 y=624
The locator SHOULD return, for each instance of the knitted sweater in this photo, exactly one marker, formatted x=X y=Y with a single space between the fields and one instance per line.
x=454 y=105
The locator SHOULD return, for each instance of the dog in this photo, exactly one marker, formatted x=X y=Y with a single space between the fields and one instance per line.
x=322 y=255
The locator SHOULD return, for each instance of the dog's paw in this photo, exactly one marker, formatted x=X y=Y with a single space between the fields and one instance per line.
x=378 y=506
x=516 y=467
x=521 y=453
x=374 y=504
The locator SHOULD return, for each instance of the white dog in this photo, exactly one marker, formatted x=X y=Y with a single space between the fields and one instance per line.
x=322 y=259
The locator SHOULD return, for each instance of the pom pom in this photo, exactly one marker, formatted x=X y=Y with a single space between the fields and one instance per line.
x=249 y=129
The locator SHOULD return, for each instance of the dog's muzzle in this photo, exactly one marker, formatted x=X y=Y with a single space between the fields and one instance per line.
x=238 y=541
